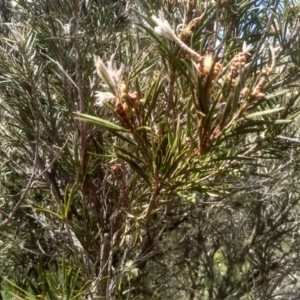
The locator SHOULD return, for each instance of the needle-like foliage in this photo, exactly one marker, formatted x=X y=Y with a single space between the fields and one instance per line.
x=149 y=149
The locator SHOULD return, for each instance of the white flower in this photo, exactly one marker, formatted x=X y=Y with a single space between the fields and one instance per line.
x=66 y=29
x=208 y=63
x=163 y=27
x=247 y=48
x=110 y=74
x=102 y=97
x=13 y=3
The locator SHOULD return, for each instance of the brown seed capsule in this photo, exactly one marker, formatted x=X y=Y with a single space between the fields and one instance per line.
x=121 y=110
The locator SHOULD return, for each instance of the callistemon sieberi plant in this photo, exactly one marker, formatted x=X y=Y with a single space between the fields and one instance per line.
x=224 y=110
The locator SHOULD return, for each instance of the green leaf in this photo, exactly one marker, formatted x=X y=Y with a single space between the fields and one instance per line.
x=265 y=112
x=128 y=153
x=135 y=167
x=100 y=122
x=68 y=199
x=173 y=164
x=273 y=95
x=46 y=210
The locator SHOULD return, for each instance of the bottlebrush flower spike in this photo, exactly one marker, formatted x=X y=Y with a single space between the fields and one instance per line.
x=247 y=48
x=163 y=27
x=110 y=74
x=102 y=97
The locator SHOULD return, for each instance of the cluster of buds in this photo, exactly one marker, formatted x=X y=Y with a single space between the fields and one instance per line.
x=205 y=65
x=238 y=62
x=208 y=70
x=128 y=103
x=134 y=100
x=121 y=106
x=244 y=92
x=124 y=102
x=217 y=69
x=258 y=91
x=121 y=110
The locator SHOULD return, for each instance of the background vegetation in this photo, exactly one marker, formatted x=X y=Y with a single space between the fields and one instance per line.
x=149 y=149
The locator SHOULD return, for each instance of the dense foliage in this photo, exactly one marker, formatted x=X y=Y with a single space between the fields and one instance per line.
x=149 y=149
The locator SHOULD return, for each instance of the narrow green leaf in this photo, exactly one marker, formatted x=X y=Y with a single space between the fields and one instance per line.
x=173 y=165
x=68 y=200
x=128 y=153
x=63 y=70
x=273 y=95
x=277 y=122
x=144 y=128
x=265 y=112
x=135 y=167
x=152 y=96
x=176 y=142
x=100 y=122
x=46 y=210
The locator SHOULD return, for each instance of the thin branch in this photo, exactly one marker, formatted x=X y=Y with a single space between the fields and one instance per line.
x=31 y=182
x=23 y=196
